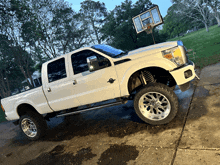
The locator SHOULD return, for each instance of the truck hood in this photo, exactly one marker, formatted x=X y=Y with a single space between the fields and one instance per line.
x=149 y=50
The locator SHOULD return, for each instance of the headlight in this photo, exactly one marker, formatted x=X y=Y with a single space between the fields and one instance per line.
x=174 y=55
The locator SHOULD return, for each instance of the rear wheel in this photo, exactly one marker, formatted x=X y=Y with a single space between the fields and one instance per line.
x=156 y=104
x=33 y=125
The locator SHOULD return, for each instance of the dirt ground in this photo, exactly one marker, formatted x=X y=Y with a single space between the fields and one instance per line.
x=116 y=136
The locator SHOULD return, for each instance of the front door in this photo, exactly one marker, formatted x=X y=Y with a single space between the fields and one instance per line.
x=96 y=86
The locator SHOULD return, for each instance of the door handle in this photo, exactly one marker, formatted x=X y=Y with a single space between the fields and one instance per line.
x=74 y=82
x=111 y=80
x=49 y=90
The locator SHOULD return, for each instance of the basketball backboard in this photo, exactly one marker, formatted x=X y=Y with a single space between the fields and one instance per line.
x=150 y=17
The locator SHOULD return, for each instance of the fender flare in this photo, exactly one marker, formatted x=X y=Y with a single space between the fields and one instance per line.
x=163 y=64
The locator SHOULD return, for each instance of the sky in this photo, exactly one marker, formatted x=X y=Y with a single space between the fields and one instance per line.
x=110 y=4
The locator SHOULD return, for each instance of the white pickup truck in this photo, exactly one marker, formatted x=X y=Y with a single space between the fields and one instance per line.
x=77 y=81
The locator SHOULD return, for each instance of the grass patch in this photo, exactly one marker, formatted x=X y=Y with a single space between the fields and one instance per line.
x=206 y=45
x=2 y=115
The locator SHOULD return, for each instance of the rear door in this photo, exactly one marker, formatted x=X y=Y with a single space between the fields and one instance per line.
x=58 y=87
x=91 y=87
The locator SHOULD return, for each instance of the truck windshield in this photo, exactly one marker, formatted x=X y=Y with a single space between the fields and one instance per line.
x=110 y=51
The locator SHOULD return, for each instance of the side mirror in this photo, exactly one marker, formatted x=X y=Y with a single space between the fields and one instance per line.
x=93 y=63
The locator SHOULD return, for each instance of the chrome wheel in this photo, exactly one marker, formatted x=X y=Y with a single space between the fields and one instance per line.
x=28 y=127
x=154 y=106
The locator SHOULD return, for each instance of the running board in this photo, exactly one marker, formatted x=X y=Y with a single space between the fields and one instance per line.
x=92 y=108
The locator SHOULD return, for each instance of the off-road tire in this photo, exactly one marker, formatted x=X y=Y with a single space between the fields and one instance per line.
x=163 y=90
x=39 y=122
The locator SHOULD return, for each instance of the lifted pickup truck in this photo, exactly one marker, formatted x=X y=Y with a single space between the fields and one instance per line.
x=73 y=82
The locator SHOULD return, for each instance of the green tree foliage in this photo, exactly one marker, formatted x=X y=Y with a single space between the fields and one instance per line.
x=93 y=13
x=175 y=23
x=10 y=73
x=197 y=10
x=215 y=8
x=14 y=47
x=119 y=30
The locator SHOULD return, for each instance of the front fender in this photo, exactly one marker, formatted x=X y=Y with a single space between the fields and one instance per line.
x=161 y=63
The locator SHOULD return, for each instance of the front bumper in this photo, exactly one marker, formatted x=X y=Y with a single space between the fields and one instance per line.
x=184 y=75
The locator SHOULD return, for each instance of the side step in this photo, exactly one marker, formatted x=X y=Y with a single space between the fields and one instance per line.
x=93 y=108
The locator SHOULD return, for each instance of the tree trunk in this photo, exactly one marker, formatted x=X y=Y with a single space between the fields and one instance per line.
x=96 y=31
x=25 y=75
x=8 y=86
x=4 y=87
x=218 y=20
x=30 y=77
x=3 y=95
x=206 y=27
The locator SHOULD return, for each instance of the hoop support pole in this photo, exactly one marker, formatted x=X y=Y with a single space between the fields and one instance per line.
x=153 y=37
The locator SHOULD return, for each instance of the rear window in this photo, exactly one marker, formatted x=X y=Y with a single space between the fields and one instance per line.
x=56 y=70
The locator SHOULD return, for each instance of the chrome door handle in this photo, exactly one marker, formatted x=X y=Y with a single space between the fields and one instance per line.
x=49 y=90
x=74 y=82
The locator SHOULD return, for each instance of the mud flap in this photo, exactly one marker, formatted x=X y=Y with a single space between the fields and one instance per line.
x=184 y=87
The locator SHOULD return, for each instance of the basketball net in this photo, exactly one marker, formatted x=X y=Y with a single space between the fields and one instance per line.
x=148 y=28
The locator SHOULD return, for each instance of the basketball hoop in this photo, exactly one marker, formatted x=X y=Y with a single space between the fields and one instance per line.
x=147 y=20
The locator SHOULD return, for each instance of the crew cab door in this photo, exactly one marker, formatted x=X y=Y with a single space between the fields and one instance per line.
x=57 y=85
x=96 y=86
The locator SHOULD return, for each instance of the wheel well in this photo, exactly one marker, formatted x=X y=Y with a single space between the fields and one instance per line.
x=151 y=74
x=25 y=108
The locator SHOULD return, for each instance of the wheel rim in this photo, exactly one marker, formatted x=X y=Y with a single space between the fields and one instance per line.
x=28 y=127
x=154 y=106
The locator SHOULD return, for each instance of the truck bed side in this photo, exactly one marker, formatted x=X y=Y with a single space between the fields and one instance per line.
x=34 y=97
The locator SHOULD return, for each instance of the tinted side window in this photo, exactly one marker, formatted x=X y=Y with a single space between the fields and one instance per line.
x=56 y=70
x=79 y=61
x=37 y=84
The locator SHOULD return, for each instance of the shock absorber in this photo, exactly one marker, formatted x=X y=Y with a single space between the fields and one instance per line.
x=146 y=77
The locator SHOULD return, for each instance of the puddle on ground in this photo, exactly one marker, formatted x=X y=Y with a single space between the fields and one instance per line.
x=186 y=94
x=118 y=154
x=58 y=157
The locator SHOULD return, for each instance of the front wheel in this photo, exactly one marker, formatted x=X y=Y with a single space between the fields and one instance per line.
x=33 y=125
x=156 y=104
